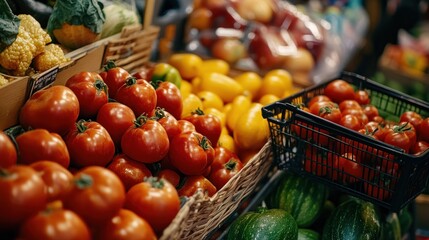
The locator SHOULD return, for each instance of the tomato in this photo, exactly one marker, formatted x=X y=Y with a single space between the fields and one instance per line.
x=146 y=141
x=169 y=97
x=55 y=224
x=128 y=170
x=7 y=151
x=39 y=144
x=346 y=168
x=377 y=190
x=419 y=147
x=90 y=144
x=332 y=114
x=206 y=124
x=251 y=130
x=349 y=104
x=219 y=177
x=22 y=193
x=96 y=196
x=58 y=180
x=351 y=122
x=116 y=118
x=191 y=153
x=197 y=183
x=154 y=200
x=170 y=175
x=409 y=129
x=378 y=184
x=126 y=225
x=186 y=126
x=358 y=113
x=223 y=155
x=139 y=95
x=371 y=112
x=55 y=109
x=412 y=117
x=114 y=77
x=371 y=127
x=362 y=97
x=168 y=122
x=190 y=103
x=423 y=128
x=315 y=162
x=315 y=107
x=339 y=90
x=398 y=139
x=90 y=90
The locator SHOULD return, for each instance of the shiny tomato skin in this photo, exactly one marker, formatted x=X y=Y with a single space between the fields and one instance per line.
x=90 y=90
x=358 y=113
x=315 y=107
x=55 y=224
x=351 y=122
x=96 y=196
x=55 y=109
x=423 y=133
x=371 y=112
x=339 y=90
x=221 y=156
x=139 y=95
x=168 y=121
x=197 y=183
x=169 y=97
x=191 y=153
x=349 y=104
x=128 y=170
x=154 y=200
x=7 y=151
x=90 y=144
x=186 y=126
x=412 y=117
x=419 y=147
x=207 y=124
x=114 y=77
x=349 y=170
x=220 y=177
x=58 y=180
x=146 y=141
x=318 y=98
x=39 y=144
x=116 y=118
x=170 y=175
x=23 y=193
x=315 y=162
x=126 y=225
x=362 y=97
x=398 y=139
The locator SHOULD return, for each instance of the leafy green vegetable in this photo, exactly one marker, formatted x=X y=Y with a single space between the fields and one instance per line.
x=118 y=15
x=9 y=25
x=88 y=13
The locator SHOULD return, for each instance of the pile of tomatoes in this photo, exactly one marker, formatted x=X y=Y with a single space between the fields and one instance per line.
x=347 y=161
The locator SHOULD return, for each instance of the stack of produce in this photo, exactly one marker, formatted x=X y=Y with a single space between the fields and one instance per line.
x=119 y=147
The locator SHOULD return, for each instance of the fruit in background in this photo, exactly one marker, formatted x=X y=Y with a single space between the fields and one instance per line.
x=164 y=72
x=188 y=64
x=272 y=84
x=210 y=100
x=229 y=49
x=200 y=19
x=251 y=82
x=215 y=65
x=254 y=10
x=223 y=86
x=300 y=64
x=227 y=17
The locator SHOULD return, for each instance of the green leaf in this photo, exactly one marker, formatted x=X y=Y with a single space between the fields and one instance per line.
x=9 y=25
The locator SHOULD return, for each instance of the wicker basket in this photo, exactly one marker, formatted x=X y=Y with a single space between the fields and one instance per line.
x=200 y=215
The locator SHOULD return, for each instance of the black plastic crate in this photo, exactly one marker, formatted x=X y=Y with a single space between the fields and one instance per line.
x=389 y=178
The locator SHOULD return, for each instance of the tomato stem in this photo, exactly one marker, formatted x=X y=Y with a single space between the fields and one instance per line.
x=204 y=143
x=402 y=128
x=109 y=65
x=100 y=85
x=141 y=120
x=155 y=182
x=159 y=113
x=231 y=165
x=4 y=172
x=84 y=181
x=80 y=125
x=131 y=81
x=198 y=111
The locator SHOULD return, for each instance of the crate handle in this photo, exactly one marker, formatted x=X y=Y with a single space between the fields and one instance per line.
x=148 y=13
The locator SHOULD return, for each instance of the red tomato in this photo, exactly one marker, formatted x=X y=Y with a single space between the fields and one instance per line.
x=127 y=225
x=309 y=132
x=347 y=169
x=169 y=97
x=197 y=183
x=358 y=113
x=139 y=95
x=423 y=128
x=55 y=224
x=318 y=98
x=146 y=141
x=339 y=90
x=170 y=175
x=219 y=177
x=349 y=104
x=116 y=118
x=419 y=147
x=129 y=171
x=351 y=122
x=411 y=117
x=378 y=190
x=314 y=162
x=168 y=121
x=222 y=155
x=22 y=193
x=90 y=90
x=191 y=153
x=96 y=196
x=371 y=112
x=371 y=127
x=378 y=184
x=154 y=200
x=409 y=129
x=315 y=107
x=7 y=151
x=58 y=180
x=90 y=144
x=332 y=114
x=39 y=144
x=207 y=124
x=114 y=77
x=362 y=97
x=186 y=126
x=398 y=139
x=55 y=109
